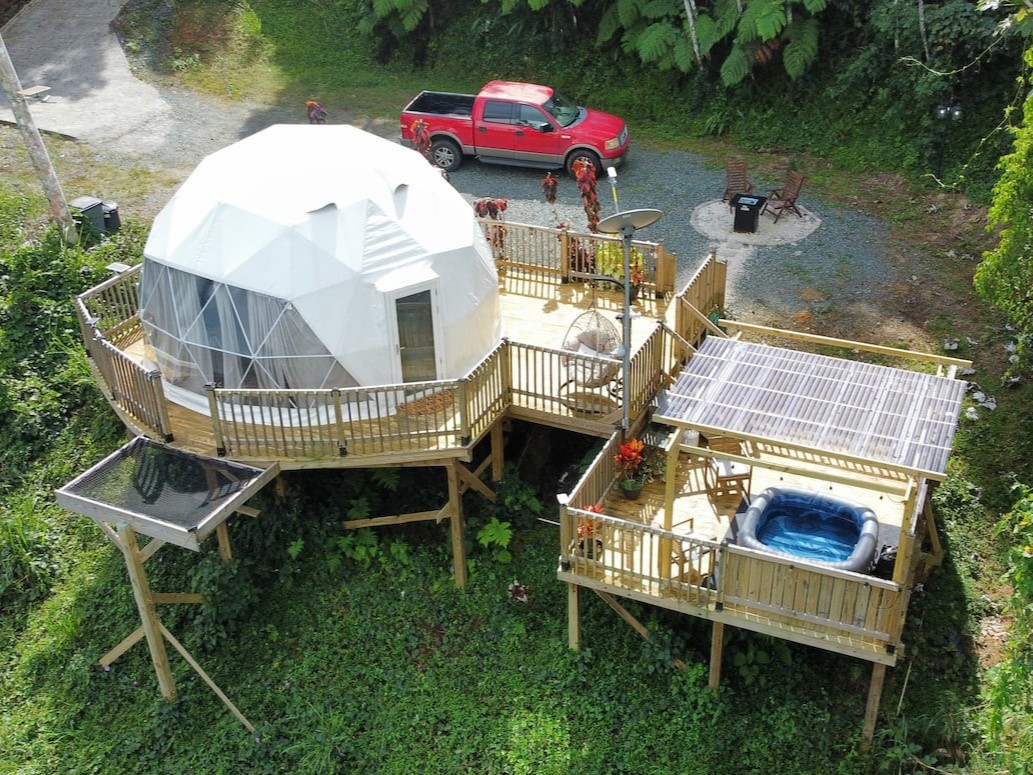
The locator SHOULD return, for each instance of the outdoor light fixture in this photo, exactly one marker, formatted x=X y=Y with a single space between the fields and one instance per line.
x=950 y=108
x=625 y=223
x=947 y=111
x=611 y=173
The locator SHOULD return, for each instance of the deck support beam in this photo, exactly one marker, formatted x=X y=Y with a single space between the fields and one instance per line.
x=574 y=616
x=871 y=711
x=455 y=501
x=636 y=625
x=717 y=647
x=498 y=459
x=148 y=612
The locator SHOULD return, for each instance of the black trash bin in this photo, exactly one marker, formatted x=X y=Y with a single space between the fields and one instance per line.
x=747 y=212
x=88 y=209
x=112 y=222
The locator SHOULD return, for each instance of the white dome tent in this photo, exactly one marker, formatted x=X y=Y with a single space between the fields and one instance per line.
x=308 y=257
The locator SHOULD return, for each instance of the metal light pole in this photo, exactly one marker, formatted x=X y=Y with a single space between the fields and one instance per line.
x=625 y=223
x=947 y=111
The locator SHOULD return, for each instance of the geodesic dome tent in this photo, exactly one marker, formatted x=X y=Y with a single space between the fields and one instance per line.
x=310 y=257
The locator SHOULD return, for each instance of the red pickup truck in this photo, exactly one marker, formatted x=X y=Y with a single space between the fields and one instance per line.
x=522 y=124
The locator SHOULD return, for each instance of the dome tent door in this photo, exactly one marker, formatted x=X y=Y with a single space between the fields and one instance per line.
x=414 y=322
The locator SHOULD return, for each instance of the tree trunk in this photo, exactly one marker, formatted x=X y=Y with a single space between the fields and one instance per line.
x=690 y=14
x=37 y=150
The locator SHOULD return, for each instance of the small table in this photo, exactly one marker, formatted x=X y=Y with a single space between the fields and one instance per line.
x=747 y=212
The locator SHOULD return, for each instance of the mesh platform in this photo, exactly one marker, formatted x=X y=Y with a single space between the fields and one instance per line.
x=163 y=492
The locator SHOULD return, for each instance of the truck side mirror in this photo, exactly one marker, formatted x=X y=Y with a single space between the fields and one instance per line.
x=546 y=127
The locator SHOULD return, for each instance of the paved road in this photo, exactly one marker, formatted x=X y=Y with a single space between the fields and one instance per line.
x=68 y=46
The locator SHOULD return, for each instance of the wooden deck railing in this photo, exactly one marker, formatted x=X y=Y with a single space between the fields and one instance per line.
x=320 y=424
x=135 y=390
x=283 y=424
x=826 y=600
x=819 y=605
x=644 y=560
x=705 y=292
x=570 y=255
x=111 y=303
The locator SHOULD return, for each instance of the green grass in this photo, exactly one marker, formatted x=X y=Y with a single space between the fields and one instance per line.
x=360 y=655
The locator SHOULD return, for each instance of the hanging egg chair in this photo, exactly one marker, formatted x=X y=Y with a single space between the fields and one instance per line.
x=593 y=370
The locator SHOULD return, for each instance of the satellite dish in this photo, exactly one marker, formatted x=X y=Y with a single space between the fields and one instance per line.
x=629 y=220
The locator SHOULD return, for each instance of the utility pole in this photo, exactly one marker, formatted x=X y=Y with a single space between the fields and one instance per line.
x=37 y=150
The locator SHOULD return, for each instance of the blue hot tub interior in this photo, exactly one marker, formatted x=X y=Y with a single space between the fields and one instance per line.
x=820 y=528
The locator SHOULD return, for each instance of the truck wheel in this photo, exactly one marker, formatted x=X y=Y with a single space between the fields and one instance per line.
x=446 y=154
x=588 y=157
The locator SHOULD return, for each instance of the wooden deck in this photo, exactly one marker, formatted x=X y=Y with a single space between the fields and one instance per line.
x=530 y=377
x=674 y=547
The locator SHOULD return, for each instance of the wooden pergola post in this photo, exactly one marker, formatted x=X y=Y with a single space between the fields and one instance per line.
x=148 y=612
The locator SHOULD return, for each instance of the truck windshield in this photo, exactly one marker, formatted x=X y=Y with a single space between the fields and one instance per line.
x=562 y=109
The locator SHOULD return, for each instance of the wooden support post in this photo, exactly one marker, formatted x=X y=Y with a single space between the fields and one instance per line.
x=455 y=500
x=204 y=677
x=717 y=646
x=225 y=550
x=498 y=458
x=636 y=625
x=573 y=616
x=148 y=613
x=871 y=711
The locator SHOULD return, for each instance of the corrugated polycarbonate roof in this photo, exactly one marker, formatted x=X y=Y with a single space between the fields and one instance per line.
x=843 y=407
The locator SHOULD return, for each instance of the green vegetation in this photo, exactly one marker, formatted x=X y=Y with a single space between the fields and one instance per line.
x=353 y=651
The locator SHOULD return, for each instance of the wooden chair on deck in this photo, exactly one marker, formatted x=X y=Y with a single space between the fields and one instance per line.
x=782 y=199
x=736 y=180
x=727 y=477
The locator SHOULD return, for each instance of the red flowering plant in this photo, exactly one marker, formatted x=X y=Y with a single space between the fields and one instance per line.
x=629 y=459
x=495 y=234
x=584 y=173
x=588 y=542
x=586 y=528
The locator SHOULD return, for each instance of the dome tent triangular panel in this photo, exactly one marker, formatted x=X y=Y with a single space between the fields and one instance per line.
x=275 y=249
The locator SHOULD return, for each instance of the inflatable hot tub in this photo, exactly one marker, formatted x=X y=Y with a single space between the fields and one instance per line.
x=819 y=528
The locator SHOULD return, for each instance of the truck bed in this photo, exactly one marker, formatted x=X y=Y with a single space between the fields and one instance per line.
x=442 y=104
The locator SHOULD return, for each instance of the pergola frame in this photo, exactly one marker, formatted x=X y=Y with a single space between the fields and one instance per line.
x=805 y=403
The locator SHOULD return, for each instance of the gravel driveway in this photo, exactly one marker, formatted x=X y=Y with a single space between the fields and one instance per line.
x=839 y=271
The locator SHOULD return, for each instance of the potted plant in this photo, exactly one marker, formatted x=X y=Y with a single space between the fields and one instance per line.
x=629 y=461
x=609 y=259
x=494 y=234
x=588 y=543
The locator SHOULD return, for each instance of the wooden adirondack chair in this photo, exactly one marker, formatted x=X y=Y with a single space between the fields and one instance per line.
x=736 y=180
x=782 y=199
